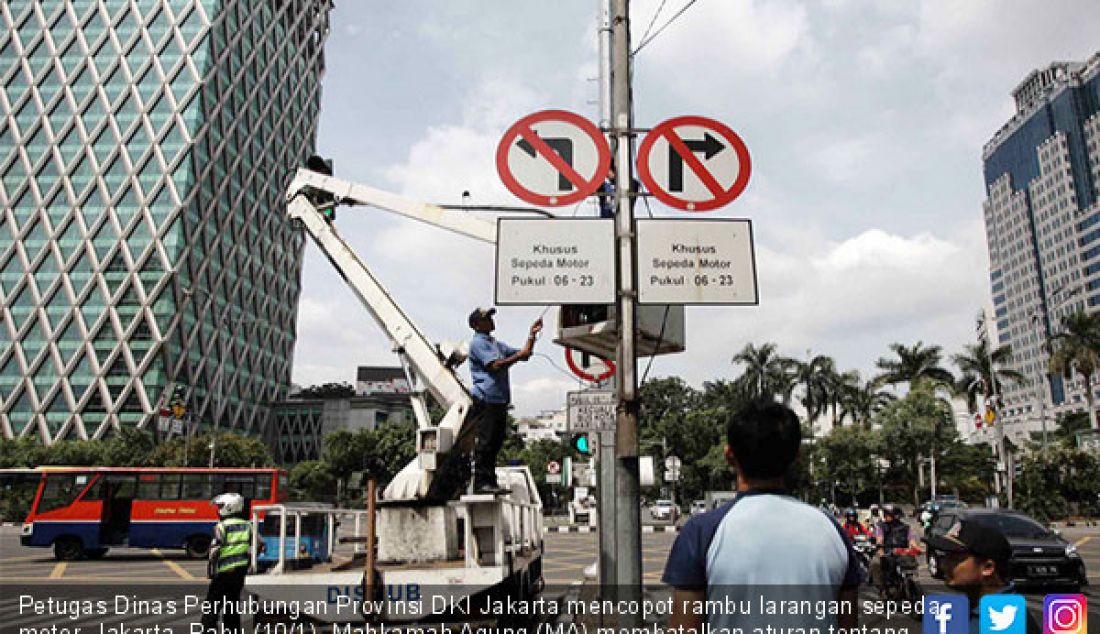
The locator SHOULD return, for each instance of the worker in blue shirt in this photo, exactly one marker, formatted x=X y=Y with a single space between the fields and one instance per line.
x=489 y=363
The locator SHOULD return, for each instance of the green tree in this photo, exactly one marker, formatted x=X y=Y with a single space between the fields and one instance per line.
x=766 y=374
x=313 y=480
x=913 y=364
x=816 y=377
x=982 y=369
x=848 y=458
x=912 y=429
x=128 y=448
x=342 y=452
x=862 y=401
x=1058 y=482
x=1075 y=352
x=22 y=452
x=231 y=450
x=326 y=391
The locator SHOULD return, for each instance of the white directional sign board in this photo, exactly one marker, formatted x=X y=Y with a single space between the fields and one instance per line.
x=696 y=262
x=591 y=410
x=555 y=261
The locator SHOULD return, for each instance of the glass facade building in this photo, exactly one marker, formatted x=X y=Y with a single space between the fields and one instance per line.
x=1042 y=219
x=144 y=248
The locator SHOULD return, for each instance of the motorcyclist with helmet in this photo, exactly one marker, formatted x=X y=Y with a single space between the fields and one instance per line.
x=890 y=534
x=852 y=526
x=230 y=557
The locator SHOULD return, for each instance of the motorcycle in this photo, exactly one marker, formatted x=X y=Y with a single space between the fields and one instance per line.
x=865 y=548
x=899 y=568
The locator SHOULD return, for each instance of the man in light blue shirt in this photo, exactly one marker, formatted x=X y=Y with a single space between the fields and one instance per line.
x=763 y=546
x=489 y=363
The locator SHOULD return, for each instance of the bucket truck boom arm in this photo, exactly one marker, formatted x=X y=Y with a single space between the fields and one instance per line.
x=433 y=366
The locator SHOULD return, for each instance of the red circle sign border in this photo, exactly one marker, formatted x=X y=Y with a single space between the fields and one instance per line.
x=667 y=127
x=594 y=378
x=603 y=150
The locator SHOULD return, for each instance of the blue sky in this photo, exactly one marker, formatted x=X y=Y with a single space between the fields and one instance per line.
x=865 y=122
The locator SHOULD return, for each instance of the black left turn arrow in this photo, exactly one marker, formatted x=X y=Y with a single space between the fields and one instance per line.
x=562 y=146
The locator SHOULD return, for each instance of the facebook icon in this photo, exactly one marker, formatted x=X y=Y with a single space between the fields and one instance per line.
x=946 y=614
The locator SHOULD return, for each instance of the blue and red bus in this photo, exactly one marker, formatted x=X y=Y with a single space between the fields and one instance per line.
x=83 y=511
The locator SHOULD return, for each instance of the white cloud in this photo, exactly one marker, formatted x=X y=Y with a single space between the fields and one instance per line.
x=757 y=37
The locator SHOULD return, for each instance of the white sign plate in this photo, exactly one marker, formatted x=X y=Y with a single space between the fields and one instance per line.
x=555 y=261
x=696 y=262
x=591 y=410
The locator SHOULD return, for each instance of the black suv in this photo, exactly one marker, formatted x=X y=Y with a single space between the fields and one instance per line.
x=1040 y=557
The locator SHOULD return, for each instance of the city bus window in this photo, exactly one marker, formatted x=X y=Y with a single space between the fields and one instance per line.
x=170 y=486
x=149 y=486
x=240 y=483
x=60 y=491
x=263 y=486
x=197 y=486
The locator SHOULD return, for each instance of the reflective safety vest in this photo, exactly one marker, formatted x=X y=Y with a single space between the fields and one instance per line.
x=236 y=539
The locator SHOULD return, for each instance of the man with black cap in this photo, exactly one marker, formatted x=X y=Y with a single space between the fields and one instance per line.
x=975 y=562
x=489 y=363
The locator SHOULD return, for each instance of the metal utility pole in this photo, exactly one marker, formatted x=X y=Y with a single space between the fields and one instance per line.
x=606 y=447
x=628 y=530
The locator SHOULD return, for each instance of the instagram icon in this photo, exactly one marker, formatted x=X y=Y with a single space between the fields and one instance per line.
x=1065 y=614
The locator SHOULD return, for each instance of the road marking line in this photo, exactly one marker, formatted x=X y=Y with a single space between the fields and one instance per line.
x=26 y=558
x=173 y=566
x=59 y=570
x=1083 y=540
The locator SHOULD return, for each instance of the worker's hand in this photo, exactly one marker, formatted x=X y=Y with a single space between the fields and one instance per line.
x=536 y=327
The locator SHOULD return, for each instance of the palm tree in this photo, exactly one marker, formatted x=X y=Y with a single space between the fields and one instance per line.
x=816 y=378
x=984 y=372
x=766 y=374
x=862 y=401
x=913 y=364
x=1075 y=351
x=842 y=384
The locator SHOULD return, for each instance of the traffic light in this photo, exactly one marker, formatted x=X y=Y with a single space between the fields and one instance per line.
x=581 y=444
x=325 y=202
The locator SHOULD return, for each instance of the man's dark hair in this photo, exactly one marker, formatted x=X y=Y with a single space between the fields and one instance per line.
x=764 y=438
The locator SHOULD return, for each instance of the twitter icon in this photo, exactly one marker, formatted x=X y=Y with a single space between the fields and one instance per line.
x=1003 y=614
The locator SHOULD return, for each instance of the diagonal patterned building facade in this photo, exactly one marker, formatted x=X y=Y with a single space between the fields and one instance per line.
x=144 y=148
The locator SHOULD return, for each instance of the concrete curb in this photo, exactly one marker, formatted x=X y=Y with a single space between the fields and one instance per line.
x=593 y=529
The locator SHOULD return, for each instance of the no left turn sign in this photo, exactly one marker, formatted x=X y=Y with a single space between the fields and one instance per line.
x=694 y=163
x=553 y=158
x=588 y=366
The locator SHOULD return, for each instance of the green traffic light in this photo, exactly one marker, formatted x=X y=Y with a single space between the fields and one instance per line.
x=580 y=443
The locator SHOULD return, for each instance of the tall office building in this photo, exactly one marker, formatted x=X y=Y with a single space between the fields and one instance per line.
x=144 y=148
x=1042 y=218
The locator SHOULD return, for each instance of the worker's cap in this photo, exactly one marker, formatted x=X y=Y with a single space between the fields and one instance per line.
x=968 y=536
x=479 y=314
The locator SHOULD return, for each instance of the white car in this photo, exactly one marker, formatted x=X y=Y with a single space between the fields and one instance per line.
x=665 y=510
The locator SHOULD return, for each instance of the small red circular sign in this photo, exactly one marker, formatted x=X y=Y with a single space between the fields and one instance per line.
x=553 y=467
x=575 y=149
x=717 y=178
x=591 y=372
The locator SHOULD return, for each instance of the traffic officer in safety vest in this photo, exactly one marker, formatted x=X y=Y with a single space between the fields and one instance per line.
x=230 y=558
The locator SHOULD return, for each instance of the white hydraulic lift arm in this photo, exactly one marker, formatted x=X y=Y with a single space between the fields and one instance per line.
x=431 y=365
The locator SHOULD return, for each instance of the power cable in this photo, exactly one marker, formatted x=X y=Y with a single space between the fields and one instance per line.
x=663 y=27
x=559 y=368
x=653 y=21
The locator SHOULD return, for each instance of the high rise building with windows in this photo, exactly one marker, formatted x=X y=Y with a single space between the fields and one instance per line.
x=144 y=249
x=1042 y=218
